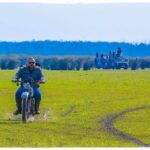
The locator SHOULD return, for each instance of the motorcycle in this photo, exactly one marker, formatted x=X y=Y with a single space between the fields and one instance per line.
x=28 y=101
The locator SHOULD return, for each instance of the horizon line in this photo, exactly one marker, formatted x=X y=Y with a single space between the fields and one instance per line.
x=133 y=42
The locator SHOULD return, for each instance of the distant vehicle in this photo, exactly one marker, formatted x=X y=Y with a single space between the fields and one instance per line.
x=111 y=61
x=121 y=62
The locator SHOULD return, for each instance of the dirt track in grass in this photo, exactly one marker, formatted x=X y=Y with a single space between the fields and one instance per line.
x=108 y=126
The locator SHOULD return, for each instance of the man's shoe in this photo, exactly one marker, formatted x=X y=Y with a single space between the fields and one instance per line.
x=37 y=105
x=37 y=112
x=17 y=112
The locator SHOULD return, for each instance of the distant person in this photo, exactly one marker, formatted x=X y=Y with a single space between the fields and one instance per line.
x=114 y=54
x=97 y=55
x=119 y=51
x=97 y=61
x=28 y=72
x=110 y=54
x=102 y=60
x=114 y=57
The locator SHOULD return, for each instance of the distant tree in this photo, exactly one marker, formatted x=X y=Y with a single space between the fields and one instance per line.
x=143 y=65
x=12 y=64
x=3 y=64
x=54 y=65
x=134 y=64
x=71 y=63
x=63 y=64
x=22 y=61
x=88 y=64
x=46 y=63
x=78 y=64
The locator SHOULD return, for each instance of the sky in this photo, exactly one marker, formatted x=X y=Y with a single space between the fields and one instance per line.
x=120 y=22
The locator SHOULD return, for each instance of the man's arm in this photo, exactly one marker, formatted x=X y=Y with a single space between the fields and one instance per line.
x=42 y=80
x=41 y=77
x=17 y=76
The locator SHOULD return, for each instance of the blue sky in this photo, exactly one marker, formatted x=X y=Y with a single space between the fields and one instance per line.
x=86 y=22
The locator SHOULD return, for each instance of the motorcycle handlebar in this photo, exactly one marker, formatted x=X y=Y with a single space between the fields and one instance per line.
x=37 y=83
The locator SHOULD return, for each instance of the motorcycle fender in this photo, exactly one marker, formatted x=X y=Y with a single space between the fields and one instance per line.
x=25 y=95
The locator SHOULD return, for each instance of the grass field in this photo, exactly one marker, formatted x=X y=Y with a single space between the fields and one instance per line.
x=74 y=107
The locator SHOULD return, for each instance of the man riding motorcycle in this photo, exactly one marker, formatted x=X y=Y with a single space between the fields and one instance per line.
x=30 y=71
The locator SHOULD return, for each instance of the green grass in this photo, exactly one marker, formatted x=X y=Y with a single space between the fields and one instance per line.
x=78 y=101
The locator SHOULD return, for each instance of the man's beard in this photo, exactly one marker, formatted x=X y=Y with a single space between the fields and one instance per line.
x=31 y=67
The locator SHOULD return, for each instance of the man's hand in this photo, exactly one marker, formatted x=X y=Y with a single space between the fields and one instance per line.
x=42 y=80
x=38 y=84
x=14 y=79
x=17 y=83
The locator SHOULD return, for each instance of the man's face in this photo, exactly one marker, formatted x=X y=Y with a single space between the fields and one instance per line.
x=31 y=63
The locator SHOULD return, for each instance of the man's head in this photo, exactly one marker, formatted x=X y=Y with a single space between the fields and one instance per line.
x=31 y=62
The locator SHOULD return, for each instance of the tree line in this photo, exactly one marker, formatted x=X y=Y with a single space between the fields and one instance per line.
x=64 y=62
x=78 y=48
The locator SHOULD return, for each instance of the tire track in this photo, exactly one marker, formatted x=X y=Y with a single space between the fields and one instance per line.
x=108 y=123
x=70 y=110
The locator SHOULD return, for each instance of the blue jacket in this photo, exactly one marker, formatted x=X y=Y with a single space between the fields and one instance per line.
x=26 y=74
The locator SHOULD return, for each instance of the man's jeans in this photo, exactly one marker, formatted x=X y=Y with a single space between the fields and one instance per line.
x=37 y=94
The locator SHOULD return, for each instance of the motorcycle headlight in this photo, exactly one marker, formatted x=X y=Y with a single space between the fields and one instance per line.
x=26 y=86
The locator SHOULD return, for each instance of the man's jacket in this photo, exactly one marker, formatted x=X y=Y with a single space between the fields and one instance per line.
x=27 y=75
